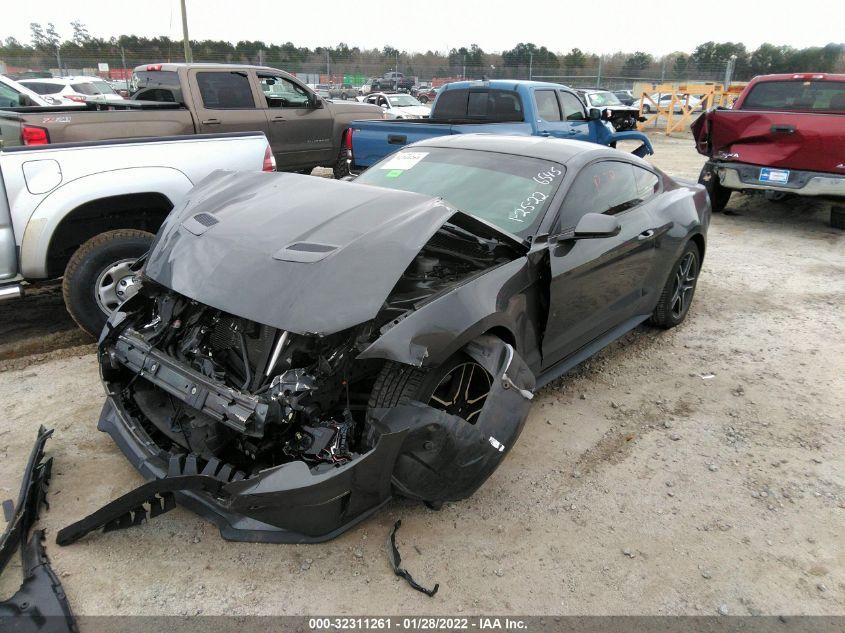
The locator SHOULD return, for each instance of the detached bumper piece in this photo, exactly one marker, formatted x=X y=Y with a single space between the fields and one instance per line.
x=40 y=605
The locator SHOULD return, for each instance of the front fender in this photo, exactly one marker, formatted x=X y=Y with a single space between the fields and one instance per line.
x=503 y=298
x=50 y=212
x=643 y=150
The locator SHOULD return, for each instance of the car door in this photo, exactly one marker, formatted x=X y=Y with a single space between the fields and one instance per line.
x=225 y=102
x=597 y=284
x=575 y=115
x=300 y=123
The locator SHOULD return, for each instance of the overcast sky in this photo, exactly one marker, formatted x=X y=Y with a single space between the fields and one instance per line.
x=604 y=26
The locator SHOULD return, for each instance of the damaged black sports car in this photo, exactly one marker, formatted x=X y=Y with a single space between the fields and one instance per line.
x=301 y=350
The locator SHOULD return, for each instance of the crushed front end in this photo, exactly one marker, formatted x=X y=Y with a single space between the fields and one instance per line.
x=273 y=419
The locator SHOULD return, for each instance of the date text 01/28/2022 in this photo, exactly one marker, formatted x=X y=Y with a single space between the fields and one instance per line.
x=417 y=623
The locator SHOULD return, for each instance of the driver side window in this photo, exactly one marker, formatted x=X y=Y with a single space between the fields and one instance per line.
x=573 y=109
x=281 y=92
x=605 y=187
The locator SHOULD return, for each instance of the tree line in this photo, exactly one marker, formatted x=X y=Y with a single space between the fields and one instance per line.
x=47 y=48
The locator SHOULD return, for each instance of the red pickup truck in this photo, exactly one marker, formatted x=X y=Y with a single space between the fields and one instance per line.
x=784 y=135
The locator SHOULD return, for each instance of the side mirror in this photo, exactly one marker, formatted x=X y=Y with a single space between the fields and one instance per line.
x=595 y=225
x=316 y=101
x=594 y=114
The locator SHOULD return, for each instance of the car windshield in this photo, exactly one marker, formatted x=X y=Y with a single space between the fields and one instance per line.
x=103 y=87
x=801 y=96
x=599 y=99
x=511 y=192
x=400 y=101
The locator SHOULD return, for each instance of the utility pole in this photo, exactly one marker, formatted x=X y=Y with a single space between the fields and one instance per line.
x=530 y=65
x=59 y=60
x=663 y=70
x=598 y=77
x=328 y=65
x=464 y=68
x=729 y=71
x=189 y=56
x=123 y=62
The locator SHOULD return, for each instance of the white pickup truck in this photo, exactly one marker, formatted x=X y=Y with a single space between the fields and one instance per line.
x=86 y=211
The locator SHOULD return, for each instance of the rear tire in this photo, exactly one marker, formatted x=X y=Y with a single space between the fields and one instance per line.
x=837 y=217
x=88 y=271
x=675 y=300
x=719 y=195
x=341 y=167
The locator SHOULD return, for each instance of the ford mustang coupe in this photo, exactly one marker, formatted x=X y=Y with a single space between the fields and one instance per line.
x=299 y=351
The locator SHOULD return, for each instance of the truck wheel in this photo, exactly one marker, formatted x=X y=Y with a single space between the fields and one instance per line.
x=837 y=217
x=719 y=195
x=341 y=167
x=98 y=276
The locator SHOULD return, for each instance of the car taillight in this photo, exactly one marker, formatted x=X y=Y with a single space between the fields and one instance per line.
x=32 y=135
x=347 y=143
x=269 y=160
x=76 y=98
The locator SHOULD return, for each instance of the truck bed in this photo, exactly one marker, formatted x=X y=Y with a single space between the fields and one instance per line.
x=95 y=122
x=373 y=140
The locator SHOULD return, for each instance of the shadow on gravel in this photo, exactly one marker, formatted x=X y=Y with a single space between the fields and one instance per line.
x=38 y=324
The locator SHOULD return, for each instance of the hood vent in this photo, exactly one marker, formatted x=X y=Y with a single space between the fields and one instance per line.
x=200 y=223
x=304 y=252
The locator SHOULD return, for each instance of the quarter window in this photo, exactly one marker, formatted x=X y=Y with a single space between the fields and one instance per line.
x=647 y=183
x=573 y=109
x=547 y=106
x=225 y=90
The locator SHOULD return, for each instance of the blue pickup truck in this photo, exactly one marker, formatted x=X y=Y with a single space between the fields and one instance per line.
x=491 y=107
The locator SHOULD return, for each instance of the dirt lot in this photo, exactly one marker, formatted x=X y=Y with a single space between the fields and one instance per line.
x=685 y=472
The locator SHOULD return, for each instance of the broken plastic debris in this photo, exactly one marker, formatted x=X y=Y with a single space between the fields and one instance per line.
x=396 y=561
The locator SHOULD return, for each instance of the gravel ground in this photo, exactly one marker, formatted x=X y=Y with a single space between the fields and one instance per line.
x=695 y=471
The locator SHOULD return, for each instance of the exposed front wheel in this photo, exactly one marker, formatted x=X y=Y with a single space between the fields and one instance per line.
x=459 y=387
x=677 y=295
x=98 y=276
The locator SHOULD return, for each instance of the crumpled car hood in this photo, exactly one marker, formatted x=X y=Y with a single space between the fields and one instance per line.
x=304 y=254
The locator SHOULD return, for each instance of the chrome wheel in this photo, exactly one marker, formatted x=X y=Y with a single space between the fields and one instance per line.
x=463 y=391
x=115 y=285
x=684 y=285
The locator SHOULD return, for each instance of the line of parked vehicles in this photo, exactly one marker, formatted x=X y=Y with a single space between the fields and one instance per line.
x=304 y=130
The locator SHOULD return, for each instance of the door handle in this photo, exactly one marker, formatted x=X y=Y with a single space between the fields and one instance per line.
x=572 y=132
x=783 y=129
x=278 y=119
x=397 y=139
x=646 y=234
x=545 y=133
x=211 y=122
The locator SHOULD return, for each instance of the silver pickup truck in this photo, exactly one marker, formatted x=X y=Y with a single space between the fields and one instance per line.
x=86 y=211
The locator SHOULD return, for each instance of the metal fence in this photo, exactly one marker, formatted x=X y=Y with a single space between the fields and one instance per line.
x=116 y=63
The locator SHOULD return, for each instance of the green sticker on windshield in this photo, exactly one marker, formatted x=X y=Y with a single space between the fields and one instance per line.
x=394 y=173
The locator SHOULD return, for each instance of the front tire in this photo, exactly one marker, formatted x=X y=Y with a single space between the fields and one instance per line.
x=678 y=293
x=98 y=276
x=459 y=386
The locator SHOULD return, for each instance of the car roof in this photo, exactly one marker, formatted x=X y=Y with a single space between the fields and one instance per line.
x=799 y=77
x=502 y=84
x=553 y=149
x=61 y=81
